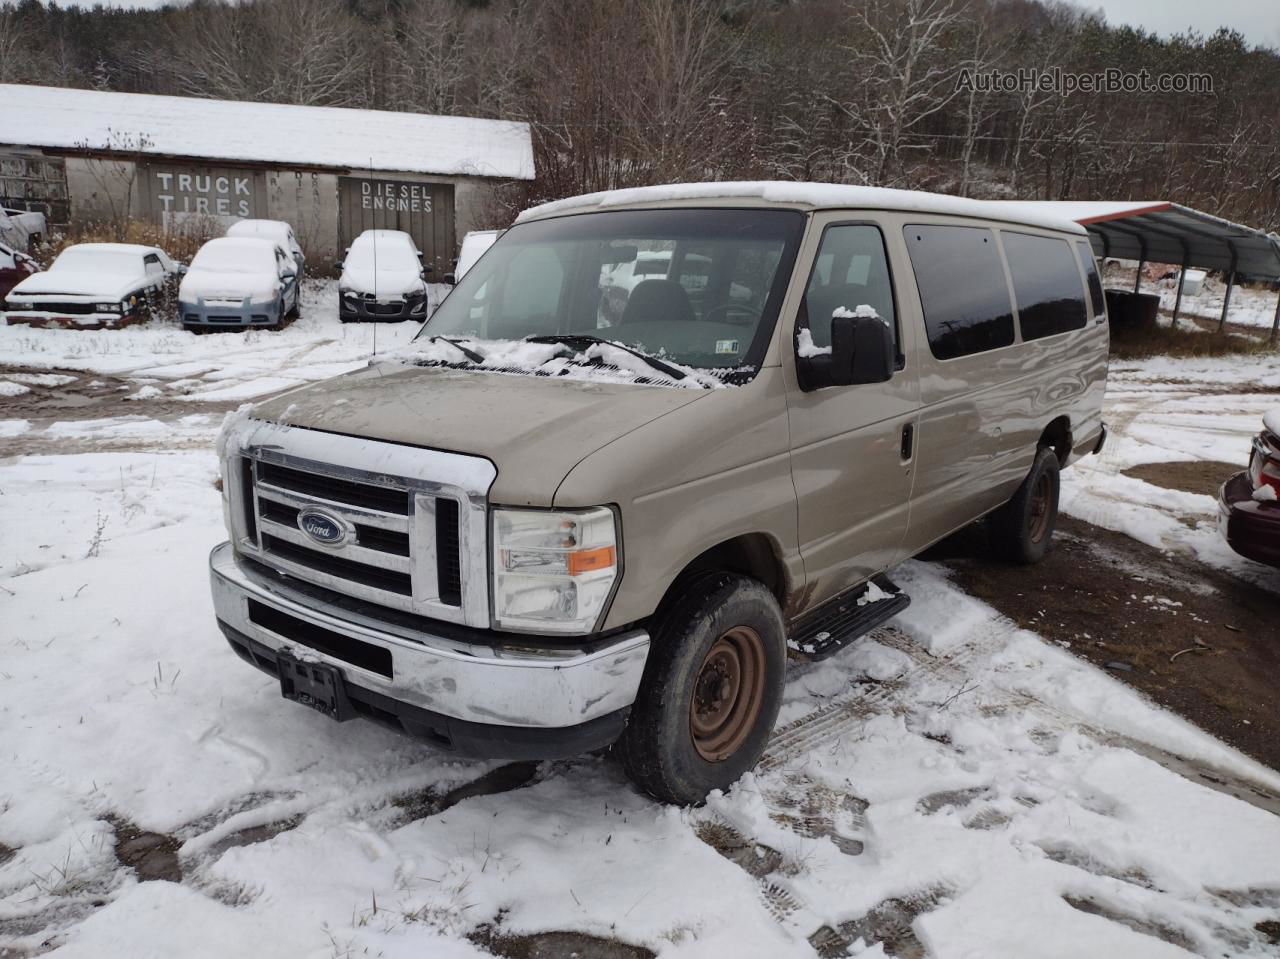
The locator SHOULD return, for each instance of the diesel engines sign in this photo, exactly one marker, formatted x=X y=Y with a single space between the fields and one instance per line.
x=395 y=197
x=180 y=192
x=420 y=208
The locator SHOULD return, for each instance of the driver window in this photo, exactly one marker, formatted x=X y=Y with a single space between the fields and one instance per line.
x=851 y=270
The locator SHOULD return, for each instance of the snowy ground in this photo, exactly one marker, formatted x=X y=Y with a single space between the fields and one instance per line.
x=1165 y=410
x=951 y=786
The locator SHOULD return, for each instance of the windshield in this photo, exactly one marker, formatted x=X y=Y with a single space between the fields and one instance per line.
x=235 y=258
x=72 y=260
x=701 y=288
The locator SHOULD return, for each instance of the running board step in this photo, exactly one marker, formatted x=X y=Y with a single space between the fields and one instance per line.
x=839 y=622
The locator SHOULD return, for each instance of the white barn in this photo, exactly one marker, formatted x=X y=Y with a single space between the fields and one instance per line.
x=86 y=155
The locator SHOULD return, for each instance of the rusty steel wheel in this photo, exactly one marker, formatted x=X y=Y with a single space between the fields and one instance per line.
x=1041 y=501
x=728 y=694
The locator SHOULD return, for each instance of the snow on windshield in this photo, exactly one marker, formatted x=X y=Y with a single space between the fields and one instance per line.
x=389 y=254
x=599 y=362
x=73 y=260
x=234 y=257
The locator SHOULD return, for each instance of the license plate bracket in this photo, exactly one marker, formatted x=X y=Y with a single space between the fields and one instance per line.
x=316 y=685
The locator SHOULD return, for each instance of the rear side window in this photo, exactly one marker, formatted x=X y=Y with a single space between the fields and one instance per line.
x=962 y=289
x=1046 y=285
x=1096 y=297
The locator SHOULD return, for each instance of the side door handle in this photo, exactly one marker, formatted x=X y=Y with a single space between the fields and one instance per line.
x=908 y=441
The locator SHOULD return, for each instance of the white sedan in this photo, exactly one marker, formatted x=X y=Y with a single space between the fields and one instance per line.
x=239 y=282
x=94 y=285
x=382 y=278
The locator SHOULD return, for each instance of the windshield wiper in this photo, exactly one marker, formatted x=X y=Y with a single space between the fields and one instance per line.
x=582 y=340
x=466 y=351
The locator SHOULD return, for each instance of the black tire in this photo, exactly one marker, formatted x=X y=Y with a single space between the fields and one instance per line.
x=296 y=310
x=1022 y=530
x=667 y=752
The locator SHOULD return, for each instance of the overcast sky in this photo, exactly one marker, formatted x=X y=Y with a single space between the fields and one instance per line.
x=1258 y=20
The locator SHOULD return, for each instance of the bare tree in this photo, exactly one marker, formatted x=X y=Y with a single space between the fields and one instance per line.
x=15 y=42
x=905 y=71
x=113 y=166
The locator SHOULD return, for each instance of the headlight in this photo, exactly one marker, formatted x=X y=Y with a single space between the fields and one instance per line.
x=553 y=571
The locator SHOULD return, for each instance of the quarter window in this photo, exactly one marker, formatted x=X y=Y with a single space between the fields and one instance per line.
x=1096 y=296
x=851 y=270
x=962 y=289
x=1046 y=285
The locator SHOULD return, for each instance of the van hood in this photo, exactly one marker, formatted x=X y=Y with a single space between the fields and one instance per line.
x=533 y=429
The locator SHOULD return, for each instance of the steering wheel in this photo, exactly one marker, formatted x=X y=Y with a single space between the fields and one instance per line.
x=752 y=312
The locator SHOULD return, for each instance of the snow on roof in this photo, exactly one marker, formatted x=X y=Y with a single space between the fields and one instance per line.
x=137 y=248
x=58 y=118
x=804 y=195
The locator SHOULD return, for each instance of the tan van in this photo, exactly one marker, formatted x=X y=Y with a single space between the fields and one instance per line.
x=579 y=511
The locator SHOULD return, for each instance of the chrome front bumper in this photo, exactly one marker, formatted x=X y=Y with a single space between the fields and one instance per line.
x=518 y=682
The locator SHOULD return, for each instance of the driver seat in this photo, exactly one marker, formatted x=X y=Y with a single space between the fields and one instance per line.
x=659 y=299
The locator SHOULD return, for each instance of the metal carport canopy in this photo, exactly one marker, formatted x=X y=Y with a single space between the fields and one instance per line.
x=1158 y=231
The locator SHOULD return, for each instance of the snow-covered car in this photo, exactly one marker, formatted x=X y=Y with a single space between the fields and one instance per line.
x=15 y=266
x=1249 y=502
x=473 y=246
x=22 y=229
x=92 y=284
x=276 y=230
x=382 y=278
x=239 y=281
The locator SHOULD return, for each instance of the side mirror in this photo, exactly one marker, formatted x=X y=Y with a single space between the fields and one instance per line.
x=862 y=351
x=428 y=268
x=450 y=278
x=181 y=269
x=337 y=265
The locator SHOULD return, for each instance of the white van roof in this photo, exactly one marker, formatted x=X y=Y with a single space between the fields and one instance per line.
x=807 y=196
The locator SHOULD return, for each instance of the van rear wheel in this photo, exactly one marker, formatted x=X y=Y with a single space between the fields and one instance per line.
x=711 y=689
x=1022 y=530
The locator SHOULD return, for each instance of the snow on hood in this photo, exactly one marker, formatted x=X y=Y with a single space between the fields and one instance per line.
x=600 y=362
x=385 y=283
x=211 y=284
x=1271 y=420
x=105 y=286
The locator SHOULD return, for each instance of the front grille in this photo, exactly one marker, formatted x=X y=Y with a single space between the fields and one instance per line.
x=376 y=555
x=381 y=498
x=72 y=309
x=448 y=552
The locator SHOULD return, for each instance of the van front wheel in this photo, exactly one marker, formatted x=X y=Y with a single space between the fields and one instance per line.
x=1022 y=529
x=711 y=689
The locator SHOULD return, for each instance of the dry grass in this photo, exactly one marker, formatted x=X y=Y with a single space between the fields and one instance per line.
x=180 y=246
x=1138 y=344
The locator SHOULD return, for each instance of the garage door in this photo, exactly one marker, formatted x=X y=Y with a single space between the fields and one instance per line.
x=423 y=210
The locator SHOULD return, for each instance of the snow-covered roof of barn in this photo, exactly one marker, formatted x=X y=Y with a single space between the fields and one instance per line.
x=813 y=196
x=276 y=133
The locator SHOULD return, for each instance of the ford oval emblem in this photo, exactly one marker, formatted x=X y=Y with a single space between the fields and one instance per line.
x=322 y=526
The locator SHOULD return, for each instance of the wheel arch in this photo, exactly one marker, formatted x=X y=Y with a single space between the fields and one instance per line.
x=755 y=555
x=1057 y=437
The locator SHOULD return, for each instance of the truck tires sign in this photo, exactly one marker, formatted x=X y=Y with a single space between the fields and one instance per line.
x=176 y=192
